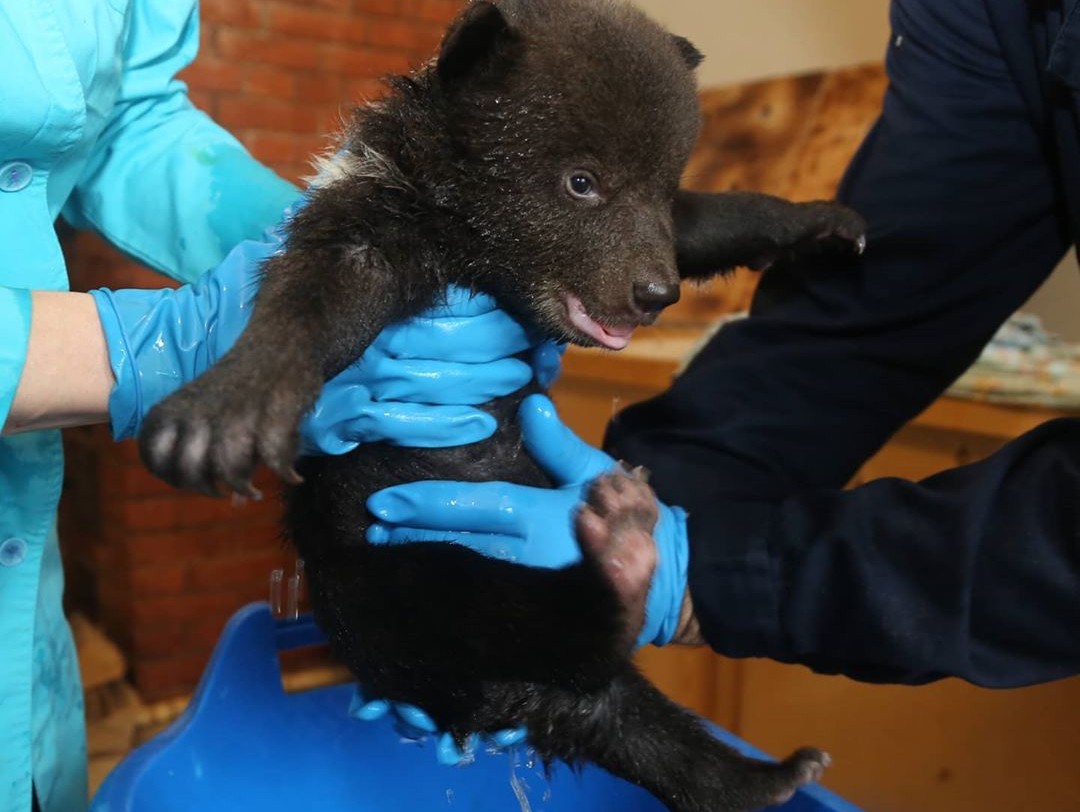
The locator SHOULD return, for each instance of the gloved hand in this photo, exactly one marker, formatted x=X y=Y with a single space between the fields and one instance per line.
x=413 y=723
x=533 y=526
x=413 y=385
x=159 y=340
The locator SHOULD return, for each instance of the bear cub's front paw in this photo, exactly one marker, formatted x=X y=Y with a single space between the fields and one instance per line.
x=217 y=430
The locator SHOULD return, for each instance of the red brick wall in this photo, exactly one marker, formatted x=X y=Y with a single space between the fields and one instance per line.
x=162 y=570
x=278 y=73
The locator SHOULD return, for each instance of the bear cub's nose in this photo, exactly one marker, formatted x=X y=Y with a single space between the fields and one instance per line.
x=651 y=296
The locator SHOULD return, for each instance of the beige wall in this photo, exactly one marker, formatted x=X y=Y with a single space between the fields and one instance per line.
x=1057 y=303
x=753 y=39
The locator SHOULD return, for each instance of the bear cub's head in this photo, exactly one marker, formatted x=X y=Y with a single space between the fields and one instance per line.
x=566 y=125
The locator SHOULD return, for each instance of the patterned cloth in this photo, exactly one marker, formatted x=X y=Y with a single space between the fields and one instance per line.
x=1024 y=365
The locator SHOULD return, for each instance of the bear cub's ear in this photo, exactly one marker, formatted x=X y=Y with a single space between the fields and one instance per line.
x=473 y=40
x=692 y=55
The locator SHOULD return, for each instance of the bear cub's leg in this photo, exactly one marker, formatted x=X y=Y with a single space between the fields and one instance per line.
x=629 y=727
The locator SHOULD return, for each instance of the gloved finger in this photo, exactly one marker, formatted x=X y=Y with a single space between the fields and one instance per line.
x=445 y=382
x=342 y=420
x=547 y=362
x=469 y=339
x=667 y=589
x=360 y=707
x=369 y=711
x=379 y=533
x=490 y=544
x=471 y=507
x=509 y=737
x=564 y=456
x=447 y=751
x=513 y=549
x=419 y=426
x=414 y=717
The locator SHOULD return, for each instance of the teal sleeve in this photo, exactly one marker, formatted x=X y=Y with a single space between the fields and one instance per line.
x=165 y=184
x=14 y=337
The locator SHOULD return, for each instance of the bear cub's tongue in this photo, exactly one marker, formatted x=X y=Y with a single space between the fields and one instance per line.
x=614 y=337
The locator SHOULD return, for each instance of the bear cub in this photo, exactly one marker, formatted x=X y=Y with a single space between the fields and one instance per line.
x=537 y=158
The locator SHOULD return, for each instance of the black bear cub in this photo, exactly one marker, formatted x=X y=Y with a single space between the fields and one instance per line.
x=537 y=158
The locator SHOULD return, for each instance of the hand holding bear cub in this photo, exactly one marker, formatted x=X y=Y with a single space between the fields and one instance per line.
x=615 y=520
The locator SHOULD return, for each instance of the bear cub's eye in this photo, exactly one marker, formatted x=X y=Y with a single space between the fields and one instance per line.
x=582 y=185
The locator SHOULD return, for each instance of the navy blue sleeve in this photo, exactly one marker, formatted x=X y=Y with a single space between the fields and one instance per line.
x=882 y=582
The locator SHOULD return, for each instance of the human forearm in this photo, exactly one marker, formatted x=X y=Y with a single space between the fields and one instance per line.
x=972 y=573
x=66 y=379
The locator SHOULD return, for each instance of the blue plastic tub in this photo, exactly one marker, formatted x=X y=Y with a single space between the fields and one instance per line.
x=245 y=744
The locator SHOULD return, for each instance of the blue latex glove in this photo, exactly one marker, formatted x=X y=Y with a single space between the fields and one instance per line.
x=547 y=362
x=413 y=384
x=413 y=723
x=453 y=356
x=533 y=526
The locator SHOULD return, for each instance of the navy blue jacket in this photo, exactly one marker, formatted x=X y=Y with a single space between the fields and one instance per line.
x=970 y=183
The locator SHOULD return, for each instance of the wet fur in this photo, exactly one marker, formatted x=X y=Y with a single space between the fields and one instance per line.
x=456 y=177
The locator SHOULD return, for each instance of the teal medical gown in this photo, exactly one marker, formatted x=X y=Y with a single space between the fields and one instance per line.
x=95 y=128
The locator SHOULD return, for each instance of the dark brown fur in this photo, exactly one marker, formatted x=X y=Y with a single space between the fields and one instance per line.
x=459 y=176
